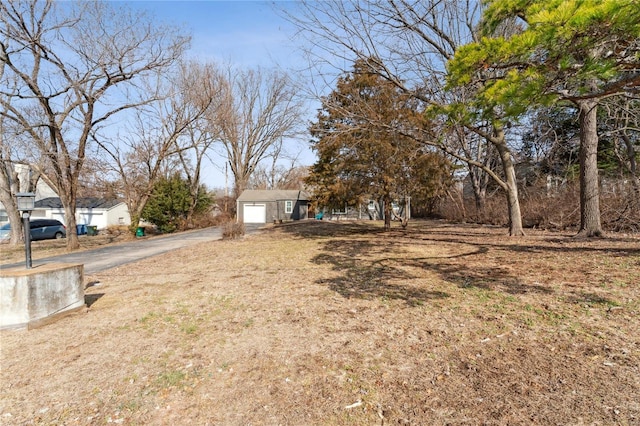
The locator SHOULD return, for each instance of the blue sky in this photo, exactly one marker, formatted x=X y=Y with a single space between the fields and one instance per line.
x=241 y=33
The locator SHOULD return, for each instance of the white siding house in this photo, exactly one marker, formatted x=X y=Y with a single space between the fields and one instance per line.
x=42 y=190
x=96 y=212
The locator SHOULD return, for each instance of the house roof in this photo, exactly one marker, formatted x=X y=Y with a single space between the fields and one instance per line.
x=272 y=195
x=81 y=203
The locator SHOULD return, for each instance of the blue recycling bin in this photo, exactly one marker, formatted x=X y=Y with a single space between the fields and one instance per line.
x=81 y=229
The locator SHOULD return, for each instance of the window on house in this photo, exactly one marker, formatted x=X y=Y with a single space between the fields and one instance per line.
x=288 y=206
x=334 y=211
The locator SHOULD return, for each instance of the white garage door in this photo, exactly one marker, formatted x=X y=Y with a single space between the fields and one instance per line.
x=255 y=213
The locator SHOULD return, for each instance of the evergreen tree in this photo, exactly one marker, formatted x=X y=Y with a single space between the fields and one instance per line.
x=171 y=202
x=576 y=51
x=361 y=137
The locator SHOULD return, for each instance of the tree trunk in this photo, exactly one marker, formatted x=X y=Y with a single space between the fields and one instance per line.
x=479 y=186
x=9 y=186
x=135 y=221
x=241 y=183
x=589 y=189
x=72 y=234
x=387 y=213
x=511 y=190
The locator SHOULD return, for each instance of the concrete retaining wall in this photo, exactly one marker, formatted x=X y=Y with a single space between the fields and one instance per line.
x=29 y=296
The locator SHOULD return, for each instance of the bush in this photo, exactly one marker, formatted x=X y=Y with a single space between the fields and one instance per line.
x=232 y=230
x=203 y=220
x=559 y=209
x=221 y=219
x=542 y=208
x=170 y=204
x=117 y=230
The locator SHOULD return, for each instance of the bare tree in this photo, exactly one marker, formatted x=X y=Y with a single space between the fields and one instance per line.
x=204 y=89
x=261 y=110
x=279 y=176
x=156 y=142
x=9 y=186
x=72 y=67
x=15 y=176
x=409 y=42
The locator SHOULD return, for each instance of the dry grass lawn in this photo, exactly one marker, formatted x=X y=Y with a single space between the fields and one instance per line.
x=322 y=323
x=48 y=248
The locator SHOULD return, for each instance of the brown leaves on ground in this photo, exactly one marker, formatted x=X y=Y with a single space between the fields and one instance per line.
x=343 y=324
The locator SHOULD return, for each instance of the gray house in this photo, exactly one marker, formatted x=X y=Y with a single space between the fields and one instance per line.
x=262 y=206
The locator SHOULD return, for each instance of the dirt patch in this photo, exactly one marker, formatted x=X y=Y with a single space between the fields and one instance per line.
x=343 y=324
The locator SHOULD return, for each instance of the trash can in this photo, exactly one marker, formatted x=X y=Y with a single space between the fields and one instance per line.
x=92 y=230
x=81 y=229
x=140 y=231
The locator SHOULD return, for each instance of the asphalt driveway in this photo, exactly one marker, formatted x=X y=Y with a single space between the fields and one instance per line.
x=110 y=256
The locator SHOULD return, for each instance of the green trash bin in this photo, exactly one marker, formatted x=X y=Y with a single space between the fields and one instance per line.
x=140 y=231
x=92 y=231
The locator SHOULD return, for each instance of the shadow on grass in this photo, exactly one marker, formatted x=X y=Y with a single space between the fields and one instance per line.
x=367 y=273
x=586 y=298
x=378 y=268
x=372 y=263
x=487 y=278
x=554 y=242
x=378 y=289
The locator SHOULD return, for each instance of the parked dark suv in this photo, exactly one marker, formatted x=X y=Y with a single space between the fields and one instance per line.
x=41 y=229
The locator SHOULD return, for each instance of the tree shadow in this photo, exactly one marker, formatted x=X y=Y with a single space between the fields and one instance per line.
x=562 y=246
x=487 y=278
x=329 y=228
x=586 y=298
x=371 y=268
x=380 y=267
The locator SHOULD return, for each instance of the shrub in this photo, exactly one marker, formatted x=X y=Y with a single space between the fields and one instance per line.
x=171 y=204
x=557 y=208
x=232 y=230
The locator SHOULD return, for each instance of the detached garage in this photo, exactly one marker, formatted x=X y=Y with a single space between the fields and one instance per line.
x=262 y=206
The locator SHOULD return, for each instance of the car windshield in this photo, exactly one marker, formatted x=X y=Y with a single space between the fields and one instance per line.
x=5 y=227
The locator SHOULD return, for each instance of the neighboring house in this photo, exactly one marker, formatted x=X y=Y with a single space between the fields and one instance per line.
x=262 y=206
x=370 y=209
x=96 y=212
x=42 y=189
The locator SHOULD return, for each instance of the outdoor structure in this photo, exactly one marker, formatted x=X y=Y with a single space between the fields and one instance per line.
x=29 y=297
x=369 y=210
x=262 y=206
x=96 y=212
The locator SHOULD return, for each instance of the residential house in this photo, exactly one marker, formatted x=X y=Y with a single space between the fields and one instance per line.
x=369 y=210
x=90 y=211
x=262 y=206
x=42 y=190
